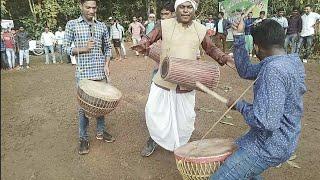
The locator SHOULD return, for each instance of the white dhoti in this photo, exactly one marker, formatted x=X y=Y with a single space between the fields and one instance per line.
x=170 y=117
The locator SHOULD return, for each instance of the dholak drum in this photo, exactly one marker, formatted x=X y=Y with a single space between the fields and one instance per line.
x=155 y=50
x=200 y=159
x=187 y=72
x=97 y=98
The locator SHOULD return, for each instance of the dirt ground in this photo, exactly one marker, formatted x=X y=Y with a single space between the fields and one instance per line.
x=39 y=126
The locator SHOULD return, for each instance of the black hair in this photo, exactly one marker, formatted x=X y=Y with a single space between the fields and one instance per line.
x=295 y=9
x=262 y=12
x=281 y=9
x=168 y=6
x=308 y=5
x=269 y=33
x=83 y=1
x=221 y=13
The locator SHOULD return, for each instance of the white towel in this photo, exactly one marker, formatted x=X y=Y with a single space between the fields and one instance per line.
x=178 y=2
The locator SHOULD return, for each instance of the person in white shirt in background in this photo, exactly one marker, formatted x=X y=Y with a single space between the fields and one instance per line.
x=309 y=19
x=116 y=35
x=48 y=41
x=59 y=36
x=281 y=19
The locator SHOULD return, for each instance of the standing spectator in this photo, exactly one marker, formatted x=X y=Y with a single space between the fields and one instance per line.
x=222 y=26
x=123 y=48
x=294 y=28
x=4 y=62
x=136 y=28
x=140 y=19
x=167 y=11
x=59 y=36
x=149 y=24
x=48 y=41
x=262 y=16
x=210 y=24
x=309 y=20
x=281 y=19
x=116 y=34
x=16 y=50
x=248 y=28
x=10 y=47
x=23 y=38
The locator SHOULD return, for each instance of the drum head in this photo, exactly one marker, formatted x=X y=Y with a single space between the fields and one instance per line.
x=206 y=150
x=100 y=89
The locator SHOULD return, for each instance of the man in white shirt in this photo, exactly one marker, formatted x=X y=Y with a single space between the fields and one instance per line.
x=48 y=41
x=59 y=35
x=116 y=35
x=281 y=19
x=309 y=19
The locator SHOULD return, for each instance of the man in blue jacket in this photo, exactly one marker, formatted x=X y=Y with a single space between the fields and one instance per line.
x=222 y=26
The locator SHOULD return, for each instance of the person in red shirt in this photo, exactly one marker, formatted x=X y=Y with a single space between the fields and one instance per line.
x=9 y=44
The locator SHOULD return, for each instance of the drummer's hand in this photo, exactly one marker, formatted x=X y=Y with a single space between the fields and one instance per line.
x=230 y=103
x=141 y=48
x=90 y=45
x=238 y=26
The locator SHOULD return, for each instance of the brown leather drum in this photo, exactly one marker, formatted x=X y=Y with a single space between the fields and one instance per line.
x=97 y=98
x=187 y=72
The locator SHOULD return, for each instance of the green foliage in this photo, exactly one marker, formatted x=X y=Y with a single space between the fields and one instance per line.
x=3 y=8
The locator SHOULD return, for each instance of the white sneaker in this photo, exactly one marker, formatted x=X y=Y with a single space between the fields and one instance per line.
x=28 y=67
x=304 y=60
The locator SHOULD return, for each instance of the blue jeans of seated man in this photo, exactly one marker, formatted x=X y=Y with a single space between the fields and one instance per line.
x=46 y=51
x=240 y=165
x=84 y=123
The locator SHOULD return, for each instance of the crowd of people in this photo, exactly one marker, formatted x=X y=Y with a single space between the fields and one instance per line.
x=299 y=29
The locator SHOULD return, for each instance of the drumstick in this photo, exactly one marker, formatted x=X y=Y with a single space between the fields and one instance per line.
x=212 y=93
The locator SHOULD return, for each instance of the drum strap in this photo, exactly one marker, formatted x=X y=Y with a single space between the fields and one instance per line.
x=168 y=51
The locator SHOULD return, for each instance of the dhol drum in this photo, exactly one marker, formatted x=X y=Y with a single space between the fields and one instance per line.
x=200 y=159
x=187 y=72
x=97 y=98
x=155 y=50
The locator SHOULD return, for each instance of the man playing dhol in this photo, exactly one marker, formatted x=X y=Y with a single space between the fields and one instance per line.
x=170 y=111
x=92 y=63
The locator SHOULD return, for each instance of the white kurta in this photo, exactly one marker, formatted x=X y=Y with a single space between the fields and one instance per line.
x=170 y=117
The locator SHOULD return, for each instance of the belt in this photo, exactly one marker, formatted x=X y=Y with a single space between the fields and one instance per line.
x=178 y=90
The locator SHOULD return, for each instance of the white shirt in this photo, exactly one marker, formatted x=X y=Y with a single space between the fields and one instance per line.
x=307 y=23
x=282 y=21
x=210 y=25
x=47 y=39
x=116 y=31
x=59 y=36
x=220 y=26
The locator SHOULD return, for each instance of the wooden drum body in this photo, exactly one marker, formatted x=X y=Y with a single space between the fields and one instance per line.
x=187 y=72
x=155 y=50
x=200 y=159
x=97 y=98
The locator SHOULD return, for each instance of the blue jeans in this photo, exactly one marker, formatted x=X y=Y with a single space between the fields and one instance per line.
x=240 y=165
x=292 y=40
x=307 y=41
x=46 y=51
x=60 y=51
x=84 y=123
